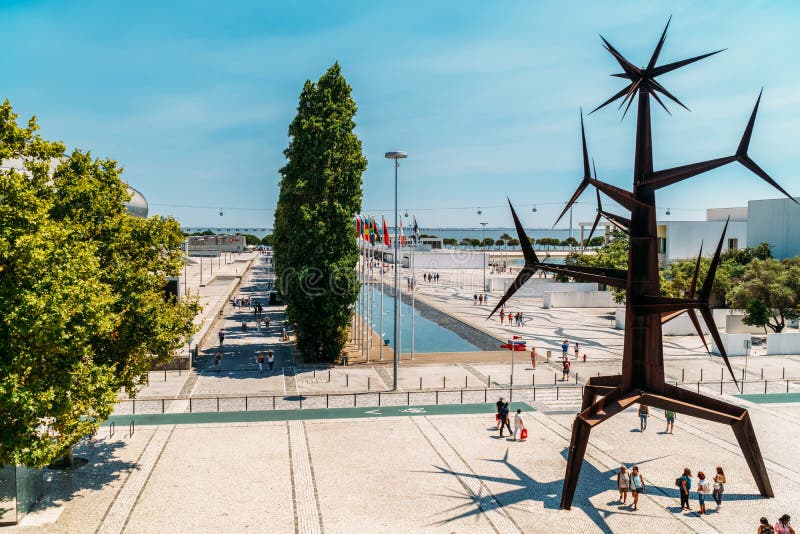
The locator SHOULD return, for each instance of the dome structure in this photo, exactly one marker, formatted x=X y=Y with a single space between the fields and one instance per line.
x=137 y=205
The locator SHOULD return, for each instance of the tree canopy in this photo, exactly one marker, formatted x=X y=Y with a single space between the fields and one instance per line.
x=320 y=191
x=83 y=311
x=769 y=292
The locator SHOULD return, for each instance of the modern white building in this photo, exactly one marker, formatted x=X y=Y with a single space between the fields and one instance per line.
x=775 y=221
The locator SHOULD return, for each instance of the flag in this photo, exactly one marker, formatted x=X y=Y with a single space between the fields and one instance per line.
x=358 y=226
x=416 y=231
x=372 y=230
x=402 y=235
x=385 y=232
x=365 y=230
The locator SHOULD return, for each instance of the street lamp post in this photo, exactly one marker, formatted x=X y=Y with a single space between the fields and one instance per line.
x=396 y=156
x=484 y=254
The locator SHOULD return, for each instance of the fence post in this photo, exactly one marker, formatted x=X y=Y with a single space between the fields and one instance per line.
x=354 y=399
x=742 y=375
x=329 y=376
x=534 y=394
x=765 y=387
x=437 y=396
x=162 y=404
x=698 y=386
x=347 y=381
x=576 y=378
x=787 y=386
x=444 y=382
x=701 y=374
x=462 y=397
x=484 y=395
x=190 y=405
x=273 y=403
x=408 y=398
x=327 y=401
x=420 y=383
x=466 y=383
x=555 y=379
x=379 y=398
x=369 y=383
x=489 y=381
x=217 y=403
x=720 y=387
x=301 y=402
x=762 y=373
x=245 y=403
x=315 y=372
x=683 y=375
x=134 y=406
x=783 y=373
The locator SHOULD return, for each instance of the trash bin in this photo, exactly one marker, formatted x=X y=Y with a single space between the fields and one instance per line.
x=549 y=353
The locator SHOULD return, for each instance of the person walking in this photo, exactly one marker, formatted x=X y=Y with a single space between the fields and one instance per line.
x=270 y=360
x=565 y=371
x=221 y=336
x=518 y=425
x=670 y=417
x=564 y=349
x=719 y=486
x=486 y=299
x=504 y=422
x=684 y=483
x=533 y=358
x=703 y=489
x=475 y=299
x=577 y=350
x=218 y=360
x=502 y=316
x=260 y=362
x=637 y=486
x=783 y=525
x=480 y=299
x=764 y=527
x=623 y=484
x=499 y=405
x=644 y=411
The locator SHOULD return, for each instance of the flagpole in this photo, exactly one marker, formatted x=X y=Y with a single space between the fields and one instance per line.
x=381 y=317
x=370 y=302
x=413 y=290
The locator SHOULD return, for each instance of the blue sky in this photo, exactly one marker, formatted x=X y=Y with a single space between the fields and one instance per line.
x=194 y=98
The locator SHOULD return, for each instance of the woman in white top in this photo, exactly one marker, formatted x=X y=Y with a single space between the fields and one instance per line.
x=518 y=425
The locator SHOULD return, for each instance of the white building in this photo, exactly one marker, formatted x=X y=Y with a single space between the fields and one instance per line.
x=775 y=221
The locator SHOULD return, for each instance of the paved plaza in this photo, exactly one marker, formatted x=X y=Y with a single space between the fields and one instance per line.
x=233 y=451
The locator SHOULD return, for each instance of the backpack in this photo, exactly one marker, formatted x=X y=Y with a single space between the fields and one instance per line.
x=679 y=482
x=766 y=529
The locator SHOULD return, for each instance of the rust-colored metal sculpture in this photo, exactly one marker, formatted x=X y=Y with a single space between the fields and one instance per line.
x=642 y=378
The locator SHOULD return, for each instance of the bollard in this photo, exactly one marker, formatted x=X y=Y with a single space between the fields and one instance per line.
x=762 y=373
x=683 y=375
x=347 y=381
x=165 y=373
x=329 y=376
x=437 y=396
x=217 y=403
x=556 y=392
x=466 y=384
x=134 y=406
x=379 y=398
x=698 y=386
x=555 y=379
x=354 y=400
x=720 y=387
x=783 y=373
x=190 y=405
x=245 y=403
x=765 y=387
x=301 y=402
x=462 y=397
x=548 y=356
x=534 y=394
x=787 y=386
x=484 y=395
x=408 y=398
x=327 y=401
x=420 y=383
x=315 y=372
x=576 y=378
x=701 y=374
x=444 y=382
x=162 y=405
x=742 y=375
x=131 y=428
x=111 y=429
x=369 y=383
x=273 y=402
x=489 y=381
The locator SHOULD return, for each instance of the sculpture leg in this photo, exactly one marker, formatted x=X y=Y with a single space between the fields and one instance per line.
x=605 y=408
x=598 y=386
x=746 y=437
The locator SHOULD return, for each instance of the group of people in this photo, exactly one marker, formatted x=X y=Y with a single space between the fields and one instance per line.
x=503 y=420
x=783 y=526
x=270 y=359
x=430 y=277
x=515 y=318
x=704 y=488
x=479 y=299
x=644 y=413
x=241 y=302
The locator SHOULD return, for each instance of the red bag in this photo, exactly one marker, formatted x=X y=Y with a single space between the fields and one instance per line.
x=523 y=434
x=497 y=417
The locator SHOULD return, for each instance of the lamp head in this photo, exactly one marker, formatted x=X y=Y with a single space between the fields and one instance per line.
x=396 y=155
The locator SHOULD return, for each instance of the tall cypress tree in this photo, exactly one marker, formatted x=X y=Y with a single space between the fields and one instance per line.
x=315 y=250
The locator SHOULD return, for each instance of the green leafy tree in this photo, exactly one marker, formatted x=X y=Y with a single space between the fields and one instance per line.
x=769 y=285
x=513 y=242
x=499 y=243
x=597 y=241
x=267 y=240
x=450 y=241
x=474 y=243
x=488 y=242
x=82 y=305
x=315 y=248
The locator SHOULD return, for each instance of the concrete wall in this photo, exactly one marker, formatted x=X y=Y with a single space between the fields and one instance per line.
x=783 y=343
x=432 y=260
x=679 y=326
x=734 y=325
x=733 y=343
x=578 y=299
x=774 y=221
x=684 y=237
